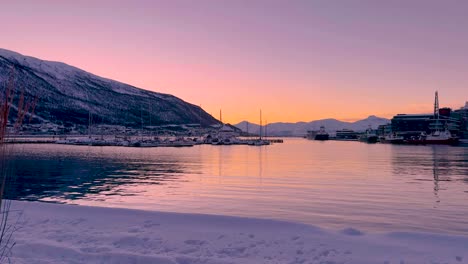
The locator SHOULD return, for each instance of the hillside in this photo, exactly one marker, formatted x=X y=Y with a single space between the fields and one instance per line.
x=300 y=128
x=67 y=94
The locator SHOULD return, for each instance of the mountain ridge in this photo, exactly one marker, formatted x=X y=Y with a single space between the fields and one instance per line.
x=301 y=128
x=69 y=94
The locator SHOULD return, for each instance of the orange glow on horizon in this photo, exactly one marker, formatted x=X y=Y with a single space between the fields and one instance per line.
x=364 y=63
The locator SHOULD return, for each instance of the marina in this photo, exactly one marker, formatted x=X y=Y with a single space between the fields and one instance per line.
x=443 y=127
x=138 y=141
x=330 y=147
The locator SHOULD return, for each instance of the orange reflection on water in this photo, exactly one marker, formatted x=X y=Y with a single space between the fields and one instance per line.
x=333 y=184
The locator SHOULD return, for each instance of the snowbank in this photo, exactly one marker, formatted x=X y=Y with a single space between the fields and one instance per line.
x=53 y=233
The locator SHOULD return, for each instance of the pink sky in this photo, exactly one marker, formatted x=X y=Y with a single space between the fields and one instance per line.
x=296 y=60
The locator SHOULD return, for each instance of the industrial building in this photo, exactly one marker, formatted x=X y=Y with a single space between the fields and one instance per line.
x=444 y=118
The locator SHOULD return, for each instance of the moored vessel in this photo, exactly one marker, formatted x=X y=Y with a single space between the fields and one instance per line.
x=441 y=137
x=346 y=134
x=440 y=133
x=463 y=142
x=369 y=136
x=392 y=139
x=416 y=140
x=322 y=134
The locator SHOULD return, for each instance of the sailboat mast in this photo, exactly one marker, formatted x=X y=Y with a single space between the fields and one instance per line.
x=150 y=121
x=89 y=123
x=141 y=120
x=260 y=124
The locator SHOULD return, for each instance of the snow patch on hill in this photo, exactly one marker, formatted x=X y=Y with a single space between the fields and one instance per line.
x=68 y=94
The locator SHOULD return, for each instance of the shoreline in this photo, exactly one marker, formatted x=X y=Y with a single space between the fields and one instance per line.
x=59 y=233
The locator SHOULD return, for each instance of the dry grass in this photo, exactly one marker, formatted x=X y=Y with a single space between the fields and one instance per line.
x=24 y=107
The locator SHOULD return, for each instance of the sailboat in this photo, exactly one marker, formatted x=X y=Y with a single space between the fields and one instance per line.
x=260 y=141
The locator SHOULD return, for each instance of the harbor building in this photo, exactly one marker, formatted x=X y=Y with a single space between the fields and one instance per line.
x=442 y=119
x=409 y=124
x=462 y=115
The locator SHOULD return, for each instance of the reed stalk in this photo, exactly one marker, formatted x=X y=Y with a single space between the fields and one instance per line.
x=24 y=107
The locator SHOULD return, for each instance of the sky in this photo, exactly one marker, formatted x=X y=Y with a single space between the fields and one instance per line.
x=295 y=60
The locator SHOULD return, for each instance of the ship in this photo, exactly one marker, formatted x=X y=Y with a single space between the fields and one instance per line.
x=441 y=137
x=310 y=134
x=392 y=139
x=416 y=139
x=322 y=134
x=439 y=134
x=369 y=136
x=463 y=142
x=347 y=135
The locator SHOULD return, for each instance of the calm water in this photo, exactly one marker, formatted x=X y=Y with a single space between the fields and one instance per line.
x=332 y=184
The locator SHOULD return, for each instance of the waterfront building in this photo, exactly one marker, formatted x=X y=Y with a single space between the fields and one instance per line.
x=409 y=123
x=417 y=123
x=462 y=115
x=383 y=130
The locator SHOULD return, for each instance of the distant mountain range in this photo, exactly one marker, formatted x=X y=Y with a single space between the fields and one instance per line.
x=301 y=128
x=68 y=95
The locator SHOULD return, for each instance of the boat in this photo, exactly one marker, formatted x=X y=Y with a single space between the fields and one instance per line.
x=416 y=140
x=322 y=134
x=441 y=137
x=99 y=142
x=369 y=136
x=310 y=134
x=435 y=138
x=440 y=133
x=179 y=142
x=259 y=141
x=223 y=141
x=392 y=139
x=463 y=142
x=347 y=135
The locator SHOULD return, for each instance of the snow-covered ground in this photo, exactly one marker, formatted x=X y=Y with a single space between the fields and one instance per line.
x=53 y=233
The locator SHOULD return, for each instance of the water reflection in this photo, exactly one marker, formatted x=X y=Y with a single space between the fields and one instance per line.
x=436 y=176
x=444 y=164
x=334 y=184
x=54 y=176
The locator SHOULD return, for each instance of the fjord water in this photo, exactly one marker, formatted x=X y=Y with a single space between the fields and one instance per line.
x=332 y=184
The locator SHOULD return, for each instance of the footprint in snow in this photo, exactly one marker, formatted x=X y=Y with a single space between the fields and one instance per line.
x=150 y=224
x=352 y=232
x=195 y=242
x=134 y=230
x=95 y=249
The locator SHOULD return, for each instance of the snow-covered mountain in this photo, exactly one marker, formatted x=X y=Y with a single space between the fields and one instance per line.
x=300 y=128
x=68 y=94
